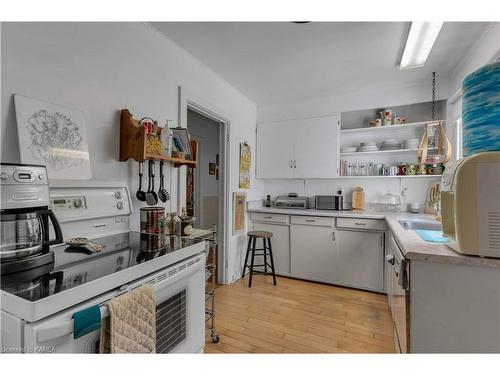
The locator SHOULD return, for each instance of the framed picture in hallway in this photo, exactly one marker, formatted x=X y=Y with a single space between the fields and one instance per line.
x=245 y=162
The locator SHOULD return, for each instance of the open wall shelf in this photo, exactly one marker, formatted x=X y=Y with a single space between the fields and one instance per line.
x=133 y=139
x=384 y=128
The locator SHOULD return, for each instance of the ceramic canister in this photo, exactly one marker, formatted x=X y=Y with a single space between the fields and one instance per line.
x=481 y=110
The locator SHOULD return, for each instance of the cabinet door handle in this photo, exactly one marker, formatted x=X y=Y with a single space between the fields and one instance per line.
x=333 y=236
x=360 y=224
x=291 y=164
x=295 y=164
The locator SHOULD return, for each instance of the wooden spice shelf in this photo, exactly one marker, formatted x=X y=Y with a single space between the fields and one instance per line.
x=133 y=140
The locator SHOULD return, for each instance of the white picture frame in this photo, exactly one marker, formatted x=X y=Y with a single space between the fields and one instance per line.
x=54 y=136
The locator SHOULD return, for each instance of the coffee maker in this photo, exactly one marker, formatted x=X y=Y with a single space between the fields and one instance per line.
x=24 y=219
x=470 y=204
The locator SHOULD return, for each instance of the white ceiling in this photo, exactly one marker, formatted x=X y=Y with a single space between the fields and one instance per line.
x=281 y=61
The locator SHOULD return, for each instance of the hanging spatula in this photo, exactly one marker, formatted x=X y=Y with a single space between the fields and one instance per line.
x=162 y=192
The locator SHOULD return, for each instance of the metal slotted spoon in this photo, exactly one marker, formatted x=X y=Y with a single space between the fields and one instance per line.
x=162 y=192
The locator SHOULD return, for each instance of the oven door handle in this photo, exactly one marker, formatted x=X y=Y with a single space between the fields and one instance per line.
x=54 y=331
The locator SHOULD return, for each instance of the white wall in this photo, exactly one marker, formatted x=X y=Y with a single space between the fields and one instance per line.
x=103 y=67
x=374 y=188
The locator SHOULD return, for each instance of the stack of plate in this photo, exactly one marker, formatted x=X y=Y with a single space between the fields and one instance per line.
x=411 y=143
x=367 y=146
x=390 y=144
x=348 y=149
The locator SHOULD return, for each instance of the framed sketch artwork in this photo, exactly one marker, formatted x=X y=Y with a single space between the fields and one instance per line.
x=54 y=136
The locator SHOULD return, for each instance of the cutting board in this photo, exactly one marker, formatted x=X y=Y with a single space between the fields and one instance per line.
x=358 y=198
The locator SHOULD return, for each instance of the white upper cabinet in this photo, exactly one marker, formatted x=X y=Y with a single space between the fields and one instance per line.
x=305 y=148
x=274 y=151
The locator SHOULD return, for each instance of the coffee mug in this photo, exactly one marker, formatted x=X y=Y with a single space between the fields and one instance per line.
x=421 y=169
x=410 y=169
x=435 y=169
x=400 y=169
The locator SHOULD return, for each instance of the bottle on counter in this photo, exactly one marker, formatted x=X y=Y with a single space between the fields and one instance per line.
x=167 y=140
x=268 y=201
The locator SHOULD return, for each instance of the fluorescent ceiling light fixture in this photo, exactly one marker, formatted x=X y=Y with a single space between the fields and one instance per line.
x=419 y=44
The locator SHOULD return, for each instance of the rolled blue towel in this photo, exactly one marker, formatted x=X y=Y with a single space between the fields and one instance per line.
x=86 y=321
x=432 y=235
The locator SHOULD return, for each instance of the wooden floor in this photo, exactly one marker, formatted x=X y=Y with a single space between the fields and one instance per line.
x=299 y=317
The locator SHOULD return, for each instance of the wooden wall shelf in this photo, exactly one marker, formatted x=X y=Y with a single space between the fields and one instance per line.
x=133 y=140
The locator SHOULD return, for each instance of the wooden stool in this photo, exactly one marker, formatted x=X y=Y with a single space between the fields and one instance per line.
x=265 y=251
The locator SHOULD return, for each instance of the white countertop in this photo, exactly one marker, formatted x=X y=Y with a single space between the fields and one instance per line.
x=413 y=247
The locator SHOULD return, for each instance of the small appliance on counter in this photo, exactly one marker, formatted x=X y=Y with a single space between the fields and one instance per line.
x=470 y=204
x=330 y=202
x=292 y=200
x=24 y=219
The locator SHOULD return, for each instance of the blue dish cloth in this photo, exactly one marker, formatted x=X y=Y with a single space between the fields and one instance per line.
x=432 y=236
x=86 y=321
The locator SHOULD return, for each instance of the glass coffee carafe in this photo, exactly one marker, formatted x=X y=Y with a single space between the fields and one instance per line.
x=26 y=233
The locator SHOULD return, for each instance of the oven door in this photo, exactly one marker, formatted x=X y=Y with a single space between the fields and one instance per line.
x=180 y=314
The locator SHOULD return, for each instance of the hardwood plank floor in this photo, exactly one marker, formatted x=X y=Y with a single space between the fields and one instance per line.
x=299 y=317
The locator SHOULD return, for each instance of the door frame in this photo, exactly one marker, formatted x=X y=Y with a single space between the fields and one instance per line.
x=190 y=101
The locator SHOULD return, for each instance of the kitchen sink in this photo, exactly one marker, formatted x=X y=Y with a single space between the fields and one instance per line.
x=420 y=224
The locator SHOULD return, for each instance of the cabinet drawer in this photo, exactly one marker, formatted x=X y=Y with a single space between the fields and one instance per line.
x=271 y=218
x=313 y=220
x=370 y=224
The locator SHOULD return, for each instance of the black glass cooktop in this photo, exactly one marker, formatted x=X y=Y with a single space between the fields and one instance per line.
x=77 y=266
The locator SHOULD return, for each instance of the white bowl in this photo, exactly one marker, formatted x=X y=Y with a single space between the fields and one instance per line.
x=368 y=143
x=348 y=149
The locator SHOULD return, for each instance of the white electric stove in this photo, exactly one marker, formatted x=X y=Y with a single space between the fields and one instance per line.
x=37 y=305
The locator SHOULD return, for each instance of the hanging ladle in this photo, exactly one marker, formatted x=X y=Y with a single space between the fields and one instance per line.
x=140 y=195
x=162 y=192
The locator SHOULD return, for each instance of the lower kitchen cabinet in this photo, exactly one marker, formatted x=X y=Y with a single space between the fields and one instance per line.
x=280 y=243
x=313 y=252
x=360 y=259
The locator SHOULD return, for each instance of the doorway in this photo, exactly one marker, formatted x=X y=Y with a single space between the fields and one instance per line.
x=206 y=185
x=202 y=183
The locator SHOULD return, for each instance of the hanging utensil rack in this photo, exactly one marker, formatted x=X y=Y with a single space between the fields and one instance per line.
x=133 y=140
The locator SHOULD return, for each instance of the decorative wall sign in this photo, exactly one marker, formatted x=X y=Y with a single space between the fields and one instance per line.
x=54 y=136
x=245 y=162
x=239 y=203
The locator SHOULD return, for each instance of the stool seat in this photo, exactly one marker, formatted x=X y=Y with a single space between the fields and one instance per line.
x=260 y=234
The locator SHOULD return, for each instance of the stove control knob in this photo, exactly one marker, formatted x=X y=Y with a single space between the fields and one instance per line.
x=119 y=205
x=77 y=203
x=118 y=195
